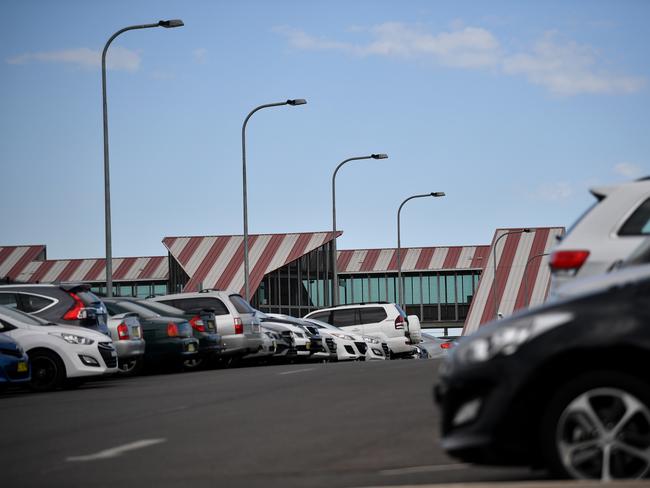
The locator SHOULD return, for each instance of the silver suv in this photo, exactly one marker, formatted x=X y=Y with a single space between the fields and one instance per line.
x=237 y=324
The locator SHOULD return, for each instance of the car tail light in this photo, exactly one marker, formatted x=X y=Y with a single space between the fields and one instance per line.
x=446 y=345
x=76 y=311
x=172 y=329
x=399 y=322
x=197 y=323
x=568 y=260
x=123 y=331
x=239 y=327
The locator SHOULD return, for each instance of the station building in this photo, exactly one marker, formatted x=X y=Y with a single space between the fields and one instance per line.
x=448 y=287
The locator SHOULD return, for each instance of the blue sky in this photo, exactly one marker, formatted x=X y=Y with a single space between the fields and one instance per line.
x=514 y=109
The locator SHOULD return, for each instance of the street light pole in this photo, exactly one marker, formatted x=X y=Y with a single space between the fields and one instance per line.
x=494 y=263
x=107 y=184
x=297 y=101
x=400 y=287
x=335 y=275
x=526 y=275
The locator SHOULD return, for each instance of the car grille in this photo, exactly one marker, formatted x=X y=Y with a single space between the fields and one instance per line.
x=331 y=345
x=384 y=346
x=107 y=350
x=361 y=346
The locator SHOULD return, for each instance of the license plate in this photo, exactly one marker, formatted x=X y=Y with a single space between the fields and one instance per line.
x=22 y=367
x=113 y=354
x=191 y=348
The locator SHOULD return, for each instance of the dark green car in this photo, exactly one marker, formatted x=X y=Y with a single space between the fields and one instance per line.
x=204 y=328
x=168 y=340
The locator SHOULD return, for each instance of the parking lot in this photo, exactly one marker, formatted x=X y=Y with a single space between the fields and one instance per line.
x=334 y=424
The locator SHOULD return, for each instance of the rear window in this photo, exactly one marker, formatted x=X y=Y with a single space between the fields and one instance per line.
x=345 y=317
x=23 y=318
x=324 y=316
x=639 y=222
x=161 y=308
x=372 y=315
x=9 y=300
x=87 y=297
x=197 y=304
x=34 y=303
x=241 y=305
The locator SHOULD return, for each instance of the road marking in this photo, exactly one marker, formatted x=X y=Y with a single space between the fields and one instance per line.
x=423 y=469
x=116 y=451
x=297 y=371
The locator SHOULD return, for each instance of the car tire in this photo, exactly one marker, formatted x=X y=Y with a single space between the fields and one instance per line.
x=597 y=426
x=193 y=364
x=48 y=370
x=131 y=367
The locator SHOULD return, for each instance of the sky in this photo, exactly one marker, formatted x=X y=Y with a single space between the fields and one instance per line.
x=513 y=109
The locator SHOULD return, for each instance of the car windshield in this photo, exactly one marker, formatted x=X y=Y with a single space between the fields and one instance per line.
x=22 y=317
x=142 y=311
x=161 y=308
x=241 y=305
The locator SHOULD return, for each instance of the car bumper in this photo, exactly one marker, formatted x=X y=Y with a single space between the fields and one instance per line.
x=241 y=344
x=129 y=349
x=15 y=371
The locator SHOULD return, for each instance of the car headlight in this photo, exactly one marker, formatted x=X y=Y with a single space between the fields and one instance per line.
x=75 y=339
x=371 y=340
x=508 y=337
x=343 y=336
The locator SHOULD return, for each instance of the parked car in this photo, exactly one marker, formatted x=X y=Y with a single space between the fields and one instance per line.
x=64 y=304
x=59 y=355
x=126 y=334
x=351 y=346
x=204 y=329
x=607 y=233
x=296 y=343
x=385 y=321
x=14 y=362
x=323 y=345
x=564 y=386
x=433 y=346
x=237 y=324
x=168 y=340
x=270 y=341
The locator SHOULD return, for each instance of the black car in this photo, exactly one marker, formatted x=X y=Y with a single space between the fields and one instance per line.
x=565 y=386
x=63 y=304
x=168 y=340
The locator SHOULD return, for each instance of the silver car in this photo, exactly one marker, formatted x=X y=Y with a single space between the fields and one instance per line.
x=126 y=333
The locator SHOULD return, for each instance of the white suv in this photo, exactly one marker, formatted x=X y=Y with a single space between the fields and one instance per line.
x=605 y=235
x=237 y=324
x=386 y=321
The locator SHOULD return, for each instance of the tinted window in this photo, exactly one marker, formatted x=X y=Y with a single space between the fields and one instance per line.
x=23 y=318
x=87 y=297
x=344 y=317
x=241 y=305
x=196 y=304
x=639 y=223
x=324 y=316
x=134 y=307
x=372 y=315
x=33 y=303
x=161 y=308
x=9 y=300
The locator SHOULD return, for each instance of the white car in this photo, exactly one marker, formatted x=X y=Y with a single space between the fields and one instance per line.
x=351 y=346
x=324 y=345
x=270 y=341
x=295 y=340
x=606 y=234
x=60 y=355
x=384 y=321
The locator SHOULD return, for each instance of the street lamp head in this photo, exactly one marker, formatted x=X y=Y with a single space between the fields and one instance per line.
x=438 y=194
x=379 y=156
x=526 y=230
x=168 y=24
x=297 y=101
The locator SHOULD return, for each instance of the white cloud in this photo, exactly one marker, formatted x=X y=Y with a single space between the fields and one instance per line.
x=628 y=170
x=467 y=47
x=117 y=58
x=554 y=192
x=563 y=68
x=568 y=69
x=200 y=55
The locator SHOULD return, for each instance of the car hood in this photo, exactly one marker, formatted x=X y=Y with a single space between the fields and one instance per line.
x=71 y=329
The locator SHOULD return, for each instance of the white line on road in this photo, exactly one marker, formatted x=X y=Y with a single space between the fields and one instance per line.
x=117 y=451
x=297 y=371
x=423 y=469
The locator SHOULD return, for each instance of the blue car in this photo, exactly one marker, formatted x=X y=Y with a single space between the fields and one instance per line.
x=14 y=363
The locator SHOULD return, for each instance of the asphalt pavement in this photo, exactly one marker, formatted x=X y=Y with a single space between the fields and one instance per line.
x=307 y=425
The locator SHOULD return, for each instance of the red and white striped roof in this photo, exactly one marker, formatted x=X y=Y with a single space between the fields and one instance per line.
x=218 y=261
x=523 y=275
x=29 y=269
x=13 y=259
x=413 y=259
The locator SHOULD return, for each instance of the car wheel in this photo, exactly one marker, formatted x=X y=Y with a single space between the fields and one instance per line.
x=598 y=427
x=193 y=364
x=48 y=371
x=130 y=367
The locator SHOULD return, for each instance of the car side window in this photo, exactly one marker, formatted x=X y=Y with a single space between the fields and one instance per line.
x=322 y=316
x=345 y=317
x=372 y=315
x=33 y=303
x=9 y=300
x=639 y=222
x=196 y=304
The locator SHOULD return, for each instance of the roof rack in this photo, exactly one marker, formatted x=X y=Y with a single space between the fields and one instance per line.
x=207 y=290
